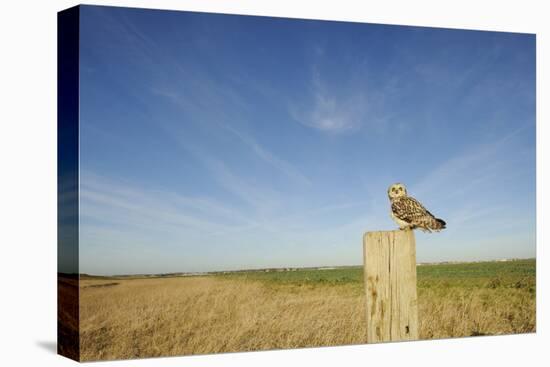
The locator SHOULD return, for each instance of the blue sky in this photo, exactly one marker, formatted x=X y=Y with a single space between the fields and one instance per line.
x=213 y=142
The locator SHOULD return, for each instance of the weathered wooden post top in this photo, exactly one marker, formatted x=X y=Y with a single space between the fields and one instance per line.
x=390 y=284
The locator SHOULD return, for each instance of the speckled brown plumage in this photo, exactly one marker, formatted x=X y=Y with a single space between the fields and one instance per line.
x=409 y=213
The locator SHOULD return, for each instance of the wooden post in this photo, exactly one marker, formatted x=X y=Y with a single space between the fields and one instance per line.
x=390 y=285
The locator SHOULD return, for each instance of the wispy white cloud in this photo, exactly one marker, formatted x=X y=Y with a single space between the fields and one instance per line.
x=262 y=199
x=261 y=152
x=476 y=165
x=473 y=186
x=125 y=204
x=332 y=108
x=109 y=204
x=216 y=108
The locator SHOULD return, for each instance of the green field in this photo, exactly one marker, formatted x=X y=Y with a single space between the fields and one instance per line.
x=511 y=274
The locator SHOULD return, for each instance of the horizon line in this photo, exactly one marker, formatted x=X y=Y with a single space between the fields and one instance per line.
x=289 y=267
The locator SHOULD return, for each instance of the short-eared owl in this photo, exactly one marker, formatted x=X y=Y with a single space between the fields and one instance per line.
x=407 y=212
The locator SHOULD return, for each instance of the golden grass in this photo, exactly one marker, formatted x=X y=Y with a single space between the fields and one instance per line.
x=461 y=312
x=175 y=316
x=67 y=317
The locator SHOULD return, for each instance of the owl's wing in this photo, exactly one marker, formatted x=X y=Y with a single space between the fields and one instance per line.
x=409 y=209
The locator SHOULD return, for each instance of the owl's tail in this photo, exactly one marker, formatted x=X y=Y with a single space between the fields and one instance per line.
x=440 y=224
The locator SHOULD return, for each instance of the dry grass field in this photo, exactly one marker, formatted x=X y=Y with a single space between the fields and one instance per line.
x=132 y=318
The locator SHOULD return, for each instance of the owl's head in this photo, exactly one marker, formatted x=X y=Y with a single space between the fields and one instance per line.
x=397 y=190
